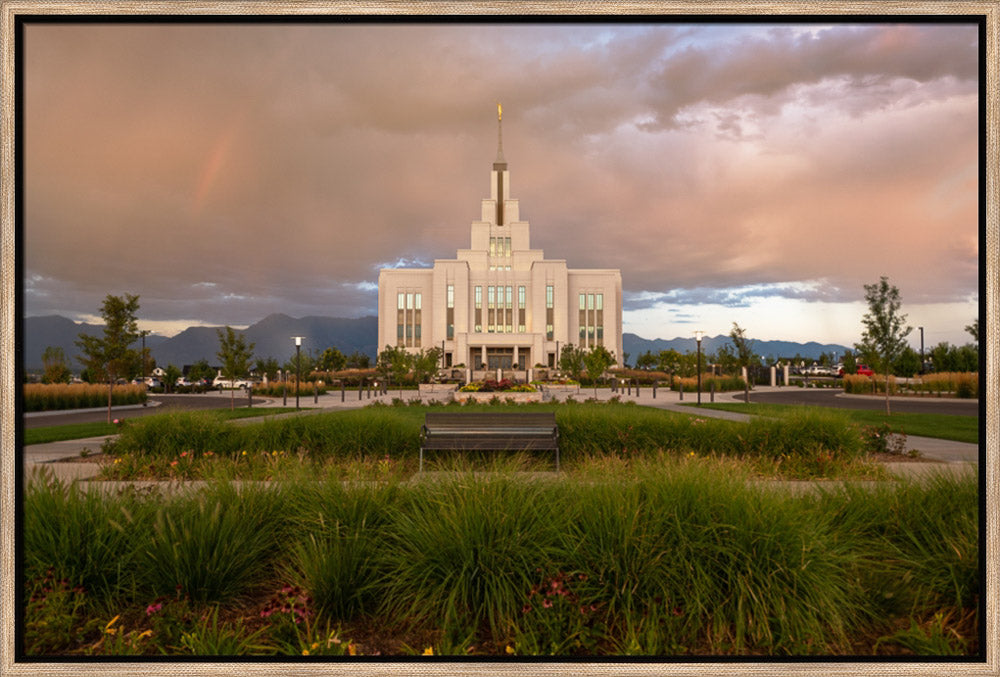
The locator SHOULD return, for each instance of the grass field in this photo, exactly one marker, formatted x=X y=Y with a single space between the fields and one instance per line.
x=941 y=426
x=79 y=431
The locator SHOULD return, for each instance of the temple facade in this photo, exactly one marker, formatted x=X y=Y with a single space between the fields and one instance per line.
x=500 y=304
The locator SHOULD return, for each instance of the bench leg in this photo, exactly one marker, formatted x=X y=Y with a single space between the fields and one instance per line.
x=421 y=459
x=557 y=459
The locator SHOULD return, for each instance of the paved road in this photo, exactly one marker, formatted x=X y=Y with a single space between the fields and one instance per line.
x=836 y=398
x=158 y=404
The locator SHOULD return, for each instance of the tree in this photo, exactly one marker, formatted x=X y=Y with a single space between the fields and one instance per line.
x=267 y=367
x=597 y=360
x=302 y=362
x=201 y=371
x=571 y=361
x=973 y=329
x=394 y=361
x=358 y=360
x=331 y=360
x=110 y=356
x=170 y=377
x=56 y=369
x=645 y=361
x=907 y=363
x=744 y=354
x=425 y=363
x=235 y=355
x=850 y=363
x=884 y=336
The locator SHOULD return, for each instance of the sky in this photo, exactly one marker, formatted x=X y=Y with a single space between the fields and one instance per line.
x=752 y=173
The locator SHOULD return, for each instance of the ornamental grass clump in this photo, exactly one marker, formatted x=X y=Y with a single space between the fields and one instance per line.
x=460 y=551
x=53 y=396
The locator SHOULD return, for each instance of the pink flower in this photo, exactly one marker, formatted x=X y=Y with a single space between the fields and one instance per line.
x=153 y=608
x=547 y=603
x=173 y=463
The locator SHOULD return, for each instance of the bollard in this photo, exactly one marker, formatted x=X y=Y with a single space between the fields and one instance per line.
x=711 y=390
x=369 y=391
x=249 y=396
x=654 y=390
x=360 y=391
x=630 y=389
x=315 y=393
x=681 y=390
x=637 y=389
x=342 y=393
x=284 y=394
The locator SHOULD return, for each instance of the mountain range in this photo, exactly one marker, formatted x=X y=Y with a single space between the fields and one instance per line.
x=272 y=337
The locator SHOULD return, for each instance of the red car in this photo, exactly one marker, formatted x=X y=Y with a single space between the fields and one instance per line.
x=864 y=370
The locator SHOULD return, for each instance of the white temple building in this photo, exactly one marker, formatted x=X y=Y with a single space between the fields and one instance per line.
x=500 y=304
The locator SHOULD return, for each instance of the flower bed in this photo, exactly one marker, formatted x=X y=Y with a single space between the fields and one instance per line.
x=517 y=396
x=493 y=386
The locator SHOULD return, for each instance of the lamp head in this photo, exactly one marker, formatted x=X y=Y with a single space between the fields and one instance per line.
x=698 y=336
x=298 y=340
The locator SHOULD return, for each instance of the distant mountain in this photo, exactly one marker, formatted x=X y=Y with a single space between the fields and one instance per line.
x=60 y=332
x=272 y=337
x=636 y=346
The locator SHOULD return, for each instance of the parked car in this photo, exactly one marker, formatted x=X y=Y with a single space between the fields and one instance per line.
x=225 y=383
x=149 y=382
x=863 y=370
x=183 y=382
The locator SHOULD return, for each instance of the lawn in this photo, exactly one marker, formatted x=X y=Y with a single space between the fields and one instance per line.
x=941 y=426
x=79 y=431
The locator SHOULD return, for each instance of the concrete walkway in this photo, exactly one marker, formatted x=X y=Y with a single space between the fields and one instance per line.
x=945 y=455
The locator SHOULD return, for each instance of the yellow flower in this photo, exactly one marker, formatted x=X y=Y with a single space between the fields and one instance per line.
x=509 y=649
x=352 y=649
x=429 y=651
x=315 y=645
x=108 y=629
x=305 y=652
x=244 y=453
x=147 y=633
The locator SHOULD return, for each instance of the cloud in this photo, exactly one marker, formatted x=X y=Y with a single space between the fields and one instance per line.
x=227 y=171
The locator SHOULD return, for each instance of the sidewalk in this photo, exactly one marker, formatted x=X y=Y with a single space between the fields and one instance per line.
x=950 y=456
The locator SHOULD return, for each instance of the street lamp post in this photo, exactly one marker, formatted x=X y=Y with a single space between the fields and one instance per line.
x=697 y=337
x=921 y=349
x=298 y=363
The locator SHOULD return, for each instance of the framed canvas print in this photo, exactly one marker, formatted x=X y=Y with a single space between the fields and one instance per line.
x=544 y=338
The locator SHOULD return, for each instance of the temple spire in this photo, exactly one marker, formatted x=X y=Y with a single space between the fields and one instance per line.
x=499 y=160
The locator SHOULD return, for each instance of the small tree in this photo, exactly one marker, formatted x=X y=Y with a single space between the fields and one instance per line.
x=172 y=373
x=597 y=361
x=394 y=361
x=201 y=371
x=56 y=369
x=331 y=360
x=111 y=356
x=267 y=367
x=884 y=337
x=235 y=355
x=425 y=363
x=571 y=361
x=357 y=360
x=645 y=361
x=744 y=354
x=973 y=329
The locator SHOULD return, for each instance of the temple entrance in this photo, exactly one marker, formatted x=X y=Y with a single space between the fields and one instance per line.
x=499 y=358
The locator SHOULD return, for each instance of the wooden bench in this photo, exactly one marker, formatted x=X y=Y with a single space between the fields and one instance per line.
x=491 y=432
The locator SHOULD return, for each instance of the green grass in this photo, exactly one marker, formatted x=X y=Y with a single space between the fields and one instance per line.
x=194 y=445
x=79 y=431
x=941 y=426
x=656 y=556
